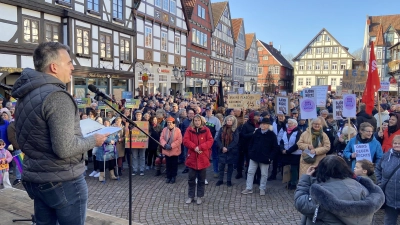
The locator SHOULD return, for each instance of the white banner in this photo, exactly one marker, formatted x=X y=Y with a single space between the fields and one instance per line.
x=349 y=105
x=308 y=108
x=338 y=91
x=385 y=86
x=282 y=105
x=321 y=92
x=337 y=109
x=363 y=152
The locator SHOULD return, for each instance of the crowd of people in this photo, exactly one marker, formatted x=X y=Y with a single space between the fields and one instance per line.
x=197 y=133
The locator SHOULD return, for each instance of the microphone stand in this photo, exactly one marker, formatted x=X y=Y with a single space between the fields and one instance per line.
x=132 y=125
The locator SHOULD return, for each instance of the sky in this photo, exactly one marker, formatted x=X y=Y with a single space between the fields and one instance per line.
x=291 y=24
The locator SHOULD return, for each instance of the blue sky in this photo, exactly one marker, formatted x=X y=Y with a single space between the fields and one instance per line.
x=293 y=23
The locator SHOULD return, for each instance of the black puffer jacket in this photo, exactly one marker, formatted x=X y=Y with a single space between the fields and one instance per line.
x=362 y=117
x=263 y=146
x=246 y=134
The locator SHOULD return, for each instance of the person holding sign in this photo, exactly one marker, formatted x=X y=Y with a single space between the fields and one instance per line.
x=363 y=146
x=388 y=178
x=314 y=143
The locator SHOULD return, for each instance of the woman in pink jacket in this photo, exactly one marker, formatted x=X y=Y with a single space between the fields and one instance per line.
x=171 y=139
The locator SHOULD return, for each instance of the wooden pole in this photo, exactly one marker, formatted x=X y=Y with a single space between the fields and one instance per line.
x=349 y=124
x=379 y=112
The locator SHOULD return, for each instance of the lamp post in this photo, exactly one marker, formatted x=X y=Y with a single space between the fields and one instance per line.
x=252 y=82
x=179 y=75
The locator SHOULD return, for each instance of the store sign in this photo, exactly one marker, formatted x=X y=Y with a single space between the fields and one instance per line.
x=188 y=73
x=159 y=70
x=101 y=75
x=11 y=69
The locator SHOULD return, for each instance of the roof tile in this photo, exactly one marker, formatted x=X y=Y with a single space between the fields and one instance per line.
x=277 y=55
x=385 y=21
x=217 y=11
x=236 y=25
x=189 y=6
x=379 y=37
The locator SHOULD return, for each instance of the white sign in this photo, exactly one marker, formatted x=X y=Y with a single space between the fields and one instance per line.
x=241 y=90
x=283 y=93
x=308 y=108
x=337 y=108
x=363 y=152
x=384 y=86
x=310 y=93
x=282 y=105
x=349 y=105
x=321 y=92
x=338 y=90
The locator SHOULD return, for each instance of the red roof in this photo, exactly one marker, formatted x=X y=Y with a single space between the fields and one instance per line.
x=385 y=21
x=379 y=41
x=236 y=25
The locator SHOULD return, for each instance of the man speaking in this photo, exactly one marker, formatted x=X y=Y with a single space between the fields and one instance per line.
x=48 y=132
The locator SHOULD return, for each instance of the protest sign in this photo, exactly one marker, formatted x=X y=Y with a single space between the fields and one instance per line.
x=117 y=93
x=127 y=95
x=308 y=108
x=281 y=105
x=83 y=102
x=283 y=93
x=385 y=85
x=320 y=95
x=338 y=91
x=310 y=93
x=354 y=80
x=188 y=95
x=250 y=101
x=337 y=109
x=349 y=105
x=132 y=103
x=363 y=152
x=102 y=105
x=139 y=139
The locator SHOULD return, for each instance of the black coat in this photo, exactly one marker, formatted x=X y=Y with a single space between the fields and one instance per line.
x=362 y=117
x=263 y=147
x=246 y=134
x=288 y=158
x=155 y=133
x=231 y=156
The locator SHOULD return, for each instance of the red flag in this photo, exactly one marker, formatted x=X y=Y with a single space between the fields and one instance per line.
x=373 y=82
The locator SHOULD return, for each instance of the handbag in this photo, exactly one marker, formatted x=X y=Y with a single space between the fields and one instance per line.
x=383 y=187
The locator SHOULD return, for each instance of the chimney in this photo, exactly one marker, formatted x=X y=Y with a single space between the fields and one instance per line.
x=368 y=21
x=270 y=44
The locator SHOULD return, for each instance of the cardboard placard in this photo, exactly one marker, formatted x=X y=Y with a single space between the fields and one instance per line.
x=354 y=80
x=250 y=101
x=139 y=139
x=349 y=105
x=282 y=105
x=337 y=109
x=132 y=103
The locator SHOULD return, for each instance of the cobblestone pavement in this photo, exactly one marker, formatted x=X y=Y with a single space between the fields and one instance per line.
x=155 y=202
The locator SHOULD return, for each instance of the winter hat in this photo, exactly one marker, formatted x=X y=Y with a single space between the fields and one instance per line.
x=384 y=106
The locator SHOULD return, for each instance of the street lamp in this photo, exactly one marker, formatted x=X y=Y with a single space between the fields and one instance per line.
x=252 y=82
x=179 y=75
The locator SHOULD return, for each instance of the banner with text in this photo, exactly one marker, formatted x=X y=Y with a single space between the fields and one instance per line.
x=281 y=105
x=385 y=86
x=308 y=108
x=337 y=109
x=349 y=105
x=363 y=152
x=338 y=91
x=132 y=103
x=250 y=101
x=320 y=94
x=354 y=80
x=83 y=102
x=188 y=95
x=139 y=139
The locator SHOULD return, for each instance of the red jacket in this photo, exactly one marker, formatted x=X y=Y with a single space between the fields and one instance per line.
x=387 y=140
x=204 y=140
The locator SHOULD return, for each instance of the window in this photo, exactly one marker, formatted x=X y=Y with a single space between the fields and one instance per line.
x=148 y=35
x=327 y=49
x=327 y=38
x=277 y=69
x=301 y=66
x=333 y=81
x=319 y=38
x=205 y=40
x=308 y=81
x=309 y=65
x=379 y=54
x=82 y=41
x=226 y=13
x=260 y=48
x=194 y=36
x=300 y=82
x=164 y=41
x=105 y=46
x=201 y=12
x=341 y=81
x=52 y=31
x=389 y=37
x=318 y=50
x=166 y=5
x=326 y=65
x=334 y=66
x=309 y=50
x=260 y=70
x=117 y=9
x=177 y=45
x=343 y=65
x=125 y=50
x=93 y=5
x=199 y=64
x=335 y=49
x=317 y=65
x=172 y=7
x=31 y=31
x=157 y=3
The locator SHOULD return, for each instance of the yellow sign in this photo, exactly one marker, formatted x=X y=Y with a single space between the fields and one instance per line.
x=188 y=95
x=139 y=139
x=3 y=166
x=251 y=101
x=83 y=102
x=132 y=103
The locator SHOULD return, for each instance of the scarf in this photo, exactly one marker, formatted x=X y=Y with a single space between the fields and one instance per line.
x=227 y=135
x=171 y=137
x=316 y=137
x=289 y=131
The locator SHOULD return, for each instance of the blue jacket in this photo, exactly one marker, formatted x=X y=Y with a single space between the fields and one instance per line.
x=374 y=146
x=384 y=169
x=3 y=132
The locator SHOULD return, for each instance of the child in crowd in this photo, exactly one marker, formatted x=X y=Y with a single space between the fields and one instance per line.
x=365 y=168
x=5 y=160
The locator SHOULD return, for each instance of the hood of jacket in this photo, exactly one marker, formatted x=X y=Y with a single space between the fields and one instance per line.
x=31 y=79
x=364 y=114
x=343 y=208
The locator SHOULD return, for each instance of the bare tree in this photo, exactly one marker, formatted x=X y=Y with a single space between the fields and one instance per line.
x=289 y=58
x=358 y=54
x=269 y=81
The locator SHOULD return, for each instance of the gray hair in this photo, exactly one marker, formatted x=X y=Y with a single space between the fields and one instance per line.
x=323 y=111
x=362 y=107
x=46 y=53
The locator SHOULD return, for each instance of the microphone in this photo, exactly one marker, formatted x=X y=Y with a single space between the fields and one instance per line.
x=95 y=90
